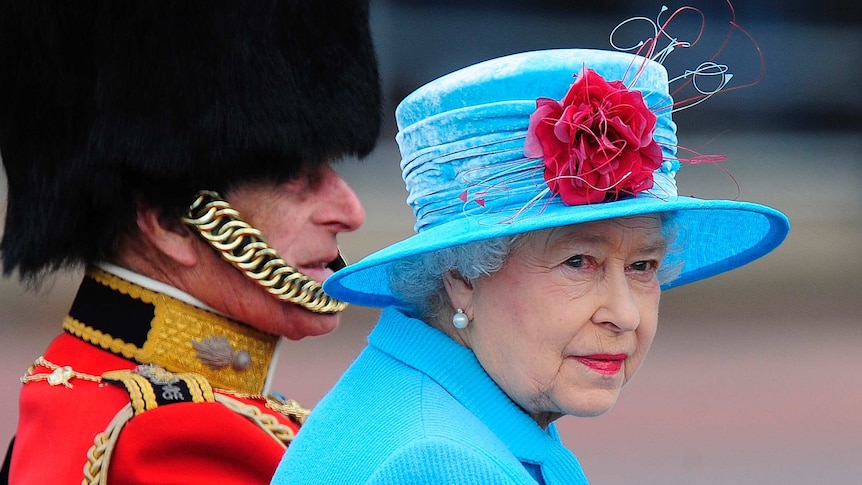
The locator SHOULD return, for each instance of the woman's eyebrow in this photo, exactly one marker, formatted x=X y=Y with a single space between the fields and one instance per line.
x=658 y=244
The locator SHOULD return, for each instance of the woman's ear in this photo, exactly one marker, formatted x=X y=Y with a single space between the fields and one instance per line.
x=168 y=235
x=460 y=292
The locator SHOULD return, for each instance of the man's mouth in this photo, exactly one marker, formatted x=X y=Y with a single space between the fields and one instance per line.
x=337 y=263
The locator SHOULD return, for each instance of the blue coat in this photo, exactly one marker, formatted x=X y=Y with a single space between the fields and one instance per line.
x=416 y=407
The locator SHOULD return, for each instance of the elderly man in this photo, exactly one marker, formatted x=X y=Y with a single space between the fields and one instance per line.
x=181 y=153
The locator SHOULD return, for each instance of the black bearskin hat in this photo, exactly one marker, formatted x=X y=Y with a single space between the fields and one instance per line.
x=106 y=102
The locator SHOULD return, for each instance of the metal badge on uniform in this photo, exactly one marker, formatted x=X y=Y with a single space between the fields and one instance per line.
x=217 y=353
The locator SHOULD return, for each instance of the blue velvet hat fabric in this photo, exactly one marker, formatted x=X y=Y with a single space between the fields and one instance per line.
x=462 y=142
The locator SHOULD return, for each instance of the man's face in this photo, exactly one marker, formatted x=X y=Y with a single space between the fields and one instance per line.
x=300 y=220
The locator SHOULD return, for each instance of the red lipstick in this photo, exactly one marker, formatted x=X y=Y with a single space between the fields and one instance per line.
x=608 y=364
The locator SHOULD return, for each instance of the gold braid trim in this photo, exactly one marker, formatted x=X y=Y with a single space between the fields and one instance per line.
x=286 y=407
x=279 y=432
x=142 y=391
x=244 y=247
x=104 y=340
x=199 y=387
x=99 y=455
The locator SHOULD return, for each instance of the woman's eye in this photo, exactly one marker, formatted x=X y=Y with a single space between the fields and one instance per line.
x=576 y=261
x=644 y=266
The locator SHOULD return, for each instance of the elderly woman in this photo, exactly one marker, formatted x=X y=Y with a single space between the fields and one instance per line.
x=548 y=222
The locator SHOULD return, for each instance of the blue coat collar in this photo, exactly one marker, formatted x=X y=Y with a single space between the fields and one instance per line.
x=456 y=369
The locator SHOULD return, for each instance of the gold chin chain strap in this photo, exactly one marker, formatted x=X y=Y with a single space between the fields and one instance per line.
x=243 y=246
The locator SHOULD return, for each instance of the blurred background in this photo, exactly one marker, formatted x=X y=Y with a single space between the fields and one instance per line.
x=755 y=375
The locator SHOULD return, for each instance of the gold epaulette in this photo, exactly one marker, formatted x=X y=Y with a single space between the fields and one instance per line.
x=150 y=386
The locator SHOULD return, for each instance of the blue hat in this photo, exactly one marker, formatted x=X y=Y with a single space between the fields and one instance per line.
x=545 y=139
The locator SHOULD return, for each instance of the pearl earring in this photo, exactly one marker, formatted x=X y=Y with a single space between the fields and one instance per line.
x=459 y=320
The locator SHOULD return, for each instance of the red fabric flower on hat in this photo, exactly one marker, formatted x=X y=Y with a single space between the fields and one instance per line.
x=597 y=143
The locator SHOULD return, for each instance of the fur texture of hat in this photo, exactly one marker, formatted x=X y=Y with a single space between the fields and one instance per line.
x=106 y=102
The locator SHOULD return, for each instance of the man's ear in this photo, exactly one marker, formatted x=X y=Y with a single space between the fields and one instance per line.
x=460 y=292
x=168 y=234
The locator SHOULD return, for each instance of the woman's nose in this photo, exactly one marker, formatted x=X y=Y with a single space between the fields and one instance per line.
x=617 y=309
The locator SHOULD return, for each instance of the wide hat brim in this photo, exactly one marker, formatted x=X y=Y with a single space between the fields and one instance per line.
x=713 y=236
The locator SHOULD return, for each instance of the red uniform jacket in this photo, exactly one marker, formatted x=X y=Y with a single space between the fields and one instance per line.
x=85 y=416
